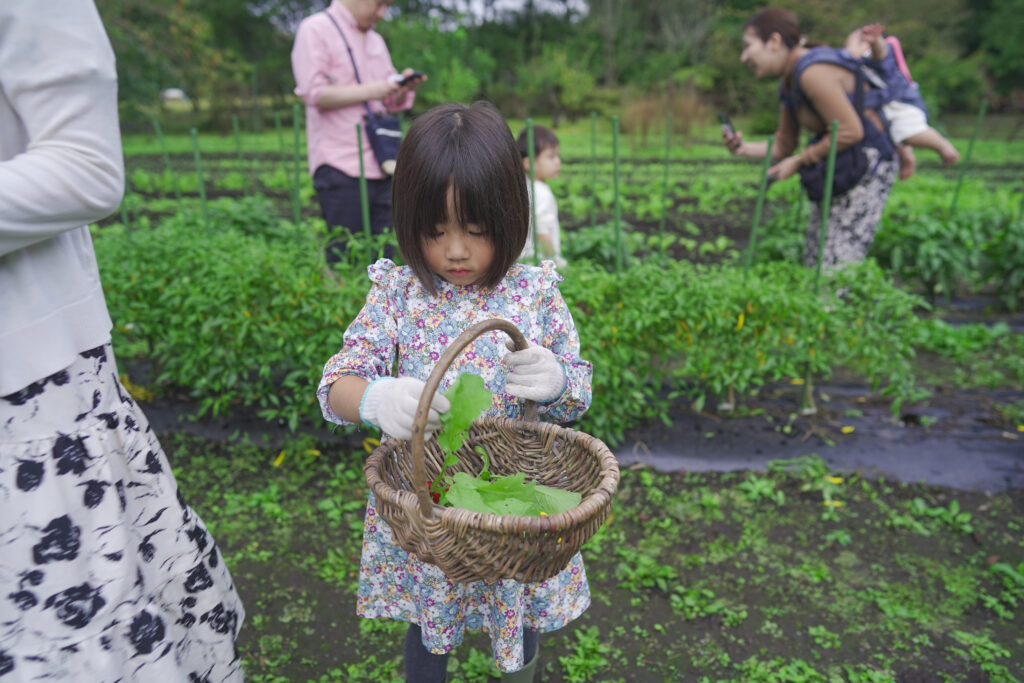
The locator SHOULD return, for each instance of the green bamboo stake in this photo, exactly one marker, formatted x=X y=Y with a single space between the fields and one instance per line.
x=238 y=149
x=133 y=206
x=808 y=406
x=280 y=134
x=124 y=214
x=615 y=185
x=533 y=198
x=748 y=258
x=664 y=180
x=199 y=172
x=257 y=120
x=967 y=157
x=296 y=209
x=826 y=200
x=593 y=168
x=167 y=158
x=364 y=200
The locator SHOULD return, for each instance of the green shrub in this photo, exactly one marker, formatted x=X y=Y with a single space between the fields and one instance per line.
x=236 y=317
x=246 y=315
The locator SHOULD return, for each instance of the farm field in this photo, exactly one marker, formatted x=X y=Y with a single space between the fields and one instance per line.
x=806 y=566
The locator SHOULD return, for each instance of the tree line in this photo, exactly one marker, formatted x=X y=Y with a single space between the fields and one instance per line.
x=558 y=58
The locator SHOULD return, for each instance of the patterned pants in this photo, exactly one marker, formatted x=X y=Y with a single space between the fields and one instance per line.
x=105 y=573
x=853 y=217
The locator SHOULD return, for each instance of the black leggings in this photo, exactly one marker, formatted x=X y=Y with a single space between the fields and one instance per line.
x=423 y=666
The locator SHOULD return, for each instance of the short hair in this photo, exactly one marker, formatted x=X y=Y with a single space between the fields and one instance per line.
x=776 y=20
x=471 y=150
x=543 y=138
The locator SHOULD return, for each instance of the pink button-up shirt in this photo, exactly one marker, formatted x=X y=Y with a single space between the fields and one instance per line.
x=320 y=58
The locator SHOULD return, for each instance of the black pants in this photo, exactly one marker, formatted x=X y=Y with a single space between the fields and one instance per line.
x=423 y=666
x=338 y=195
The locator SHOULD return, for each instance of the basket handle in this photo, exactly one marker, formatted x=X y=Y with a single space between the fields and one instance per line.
x=419 y=473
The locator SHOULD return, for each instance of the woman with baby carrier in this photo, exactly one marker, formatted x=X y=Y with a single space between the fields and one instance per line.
x=818 y=85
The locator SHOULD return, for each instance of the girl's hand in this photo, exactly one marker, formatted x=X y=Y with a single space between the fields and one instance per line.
x=536 y=373
x=390 y=404
x=784 y=169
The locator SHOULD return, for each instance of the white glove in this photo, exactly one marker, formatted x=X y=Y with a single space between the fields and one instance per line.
x=535 y=373
x=390 y=404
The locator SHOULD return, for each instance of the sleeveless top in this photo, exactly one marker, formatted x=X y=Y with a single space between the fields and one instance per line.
x=860 y=98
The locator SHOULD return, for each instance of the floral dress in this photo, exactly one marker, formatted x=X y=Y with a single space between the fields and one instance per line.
x=402 y=322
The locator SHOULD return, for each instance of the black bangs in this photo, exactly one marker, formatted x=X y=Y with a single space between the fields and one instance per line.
x=470 y=151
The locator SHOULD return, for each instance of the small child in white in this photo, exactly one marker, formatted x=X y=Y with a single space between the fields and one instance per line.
x=546 y=165
x=907 y=115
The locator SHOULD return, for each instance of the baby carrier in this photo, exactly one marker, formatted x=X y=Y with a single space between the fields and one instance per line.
x=852 y=162
x=889 y=81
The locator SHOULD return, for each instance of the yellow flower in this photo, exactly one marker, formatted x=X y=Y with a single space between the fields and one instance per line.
x=247 y=314
x=369 y=443
x=312 y=451
x=138 y=392
x=739 y=322
x=1020 y=428
x=834 y=480
x=796 y=381
x=846 y=429
x=279 y=460
x=832 y=503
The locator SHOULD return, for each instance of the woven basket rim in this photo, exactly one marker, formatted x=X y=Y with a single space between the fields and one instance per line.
x=590 y=505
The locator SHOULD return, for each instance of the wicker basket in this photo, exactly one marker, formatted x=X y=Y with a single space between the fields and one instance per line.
x=472 y=546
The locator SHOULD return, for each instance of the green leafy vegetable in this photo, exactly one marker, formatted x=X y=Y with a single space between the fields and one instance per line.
x=469 y=398
x=511 y=495
x=502 y=495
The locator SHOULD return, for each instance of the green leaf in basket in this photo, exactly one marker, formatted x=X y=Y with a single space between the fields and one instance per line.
x=510 y=495
x=469 y=398
x=485 y=473
x=553 y=501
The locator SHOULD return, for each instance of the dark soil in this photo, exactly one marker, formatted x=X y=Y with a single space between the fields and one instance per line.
x=760 y=592
x=691 y=577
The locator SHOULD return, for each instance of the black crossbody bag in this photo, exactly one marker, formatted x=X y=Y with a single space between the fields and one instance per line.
x=383 y=131
x=851 y=163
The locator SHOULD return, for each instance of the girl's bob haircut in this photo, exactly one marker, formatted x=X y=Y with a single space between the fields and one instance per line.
x=471 y=150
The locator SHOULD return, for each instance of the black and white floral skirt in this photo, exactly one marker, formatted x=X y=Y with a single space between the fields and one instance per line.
x=105 y=573
x=853 y=217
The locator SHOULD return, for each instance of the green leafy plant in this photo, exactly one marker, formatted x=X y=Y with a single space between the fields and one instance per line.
x=485 y=493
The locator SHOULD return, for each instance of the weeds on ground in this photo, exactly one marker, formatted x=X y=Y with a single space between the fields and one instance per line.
x=794 y=574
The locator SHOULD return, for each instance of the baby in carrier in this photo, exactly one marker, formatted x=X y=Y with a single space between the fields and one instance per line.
x=905 y=110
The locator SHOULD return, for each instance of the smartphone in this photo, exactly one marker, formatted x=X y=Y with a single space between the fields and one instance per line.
x=726 y=124
x=414 y=76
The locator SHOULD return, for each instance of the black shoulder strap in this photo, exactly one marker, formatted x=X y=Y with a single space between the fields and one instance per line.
x=796 y=95
x=347 y=45
x=350 y=55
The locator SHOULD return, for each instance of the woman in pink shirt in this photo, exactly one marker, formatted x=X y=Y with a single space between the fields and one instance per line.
x=342 y=66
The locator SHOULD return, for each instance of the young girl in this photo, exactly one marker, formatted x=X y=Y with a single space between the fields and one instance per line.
x=461 y=215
